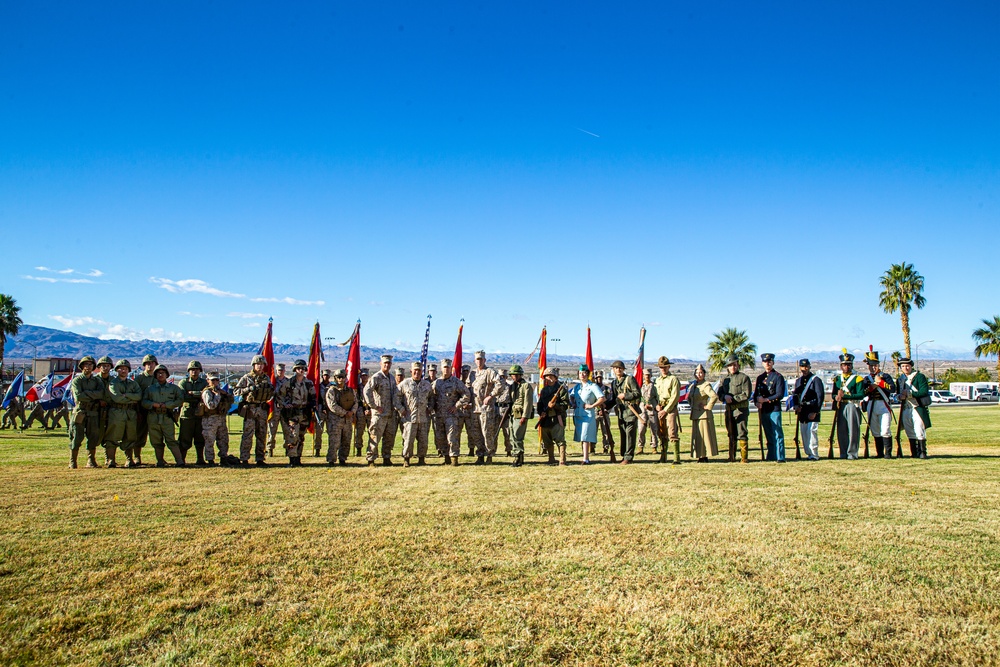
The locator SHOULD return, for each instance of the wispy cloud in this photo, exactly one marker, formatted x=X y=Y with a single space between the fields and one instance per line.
x=376 y=303
x=287 y=299
x=195 y=285
x=246 y=316
x=48 y=279
x=252 y=325
x=92 y=326
x=93 y=273
x=190 y=314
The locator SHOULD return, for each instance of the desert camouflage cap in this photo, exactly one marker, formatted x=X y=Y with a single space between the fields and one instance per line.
x=416 y=366
x=399 y=370
x=326 y=372
x=480 y=354
x=385 y=357
x=551 y=372
x=300 y=363
x=258 y=359
x=341 y=373
x=212 y=375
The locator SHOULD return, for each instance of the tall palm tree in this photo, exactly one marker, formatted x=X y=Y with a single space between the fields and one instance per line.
x=730 y=341
x=988 y=340
x=901 y=290
x=896 y=356
x=10 y=321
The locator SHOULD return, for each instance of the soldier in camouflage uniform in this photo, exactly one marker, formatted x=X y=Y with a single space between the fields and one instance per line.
x=276 y=416
x=448 y=392
x=553 y=402
x=362 y=416
x=190 y=432
x=124 y=394
x=440 y=440
x=216 y=402
x=488 y=389
x=88 y=392
x=648 y=412
x=14 y=412
x=104 y=365
x=60 y=414
x=321 y=415
x=400 y=376
x=341 y=413
x=145 y=380
x=468 y=419
x=382 y=394
x=161 y=399
x=415 y=395
x=297 y=399
x=522 y=398
x=35 y=412
x=254 y=390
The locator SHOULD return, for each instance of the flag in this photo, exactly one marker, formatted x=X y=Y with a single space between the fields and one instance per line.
x=423 y=351
x=685 y=391
x=267 y=350
x=640 y=361
x=456 y=363
x=353 y=367
x=543 y=356
x=54 y=393
x=68 y=395
x=590 y=356
x=37 y=389
x=14 y=389
x=313 y=368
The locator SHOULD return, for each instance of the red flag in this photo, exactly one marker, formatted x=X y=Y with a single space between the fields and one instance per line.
x=313 y=369
x=640 y=361
x=353 y=367
x=267 y=350
x=456 y=363
x=590 y=356
x=543 y=355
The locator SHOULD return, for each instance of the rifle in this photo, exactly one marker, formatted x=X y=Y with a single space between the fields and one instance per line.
x=868 y=426
x=833 y=431
x=798 y=452
x=760 y=434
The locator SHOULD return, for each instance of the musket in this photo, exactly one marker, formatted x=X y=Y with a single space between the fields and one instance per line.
x=868 y=426
x=798 y=452
x=760 y=433
x=833 y=431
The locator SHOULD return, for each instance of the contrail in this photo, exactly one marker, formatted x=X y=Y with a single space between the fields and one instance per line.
x=590 y=133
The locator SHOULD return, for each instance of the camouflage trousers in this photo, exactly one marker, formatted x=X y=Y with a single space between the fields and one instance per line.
x=450 y=428
x=272 y=428
x=319 y=428
x=415 y=431
x=489 y=424
x=381 y=437
x=215 y=431
x=121 y=431
x=473 y=433
x=254 y=427
x=360 y=433
x=161 y=436
x=298 y=426
x=650 y=426
x=339 y=431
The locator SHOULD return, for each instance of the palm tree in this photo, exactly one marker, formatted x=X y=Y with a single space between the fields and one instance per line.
x=901 y=290
x=730 y=341
x=988 y=340
x=896 y=356
x=10 y=321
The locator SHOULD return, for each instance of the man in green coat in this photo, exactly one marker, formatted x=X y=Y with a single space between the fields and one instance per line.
x=628 y=400
x=553 y=400
x=145 y=380
x=104 y=366
x=735 y=391
x=124 y=395
x=85 y=422
x=521 y=397
x=914 y=397
x=190 y=431
x=160 y=401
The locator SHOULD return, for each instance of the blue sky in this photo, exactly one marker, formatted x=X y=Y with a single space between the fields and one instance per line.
x=202 y=166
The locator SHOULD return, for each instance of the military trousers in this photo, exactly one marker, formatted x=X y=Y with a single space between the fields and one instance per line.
x=440 y=436
x=554 y=436
x=190 y=434
x=809 y=437
x=272 y=427
x=473 y=433
x=338 y=438
x=319 y=428
x=627 y=430
x=298 y=426
x=669 y=425
x=381 y=436
x=505 y=430
x=254 y=432
x=161 y=436
x=913 y=423
x=121 y=431
x=361 y=433
x=849 y=430
x=774 y=433
x=141 y=428
x=415 y=432
x=649 y=426
x=880 y=418
x=85 y=426
x=489 y=424
x=736 y=427
x=451 y=435
x=39 y=414
x=214 y=432
x=59 y=416
x=516 y=431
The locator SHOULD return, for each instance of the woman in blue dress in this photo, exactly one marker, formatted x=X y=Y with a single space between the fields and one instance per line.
x=585 y=398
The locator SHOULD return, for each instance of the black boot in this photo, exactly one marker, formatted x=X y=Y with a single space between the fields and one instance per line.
x=887 y=447
x=480 y=460
x=914 y=448
x=518 y=460
x=922 y=444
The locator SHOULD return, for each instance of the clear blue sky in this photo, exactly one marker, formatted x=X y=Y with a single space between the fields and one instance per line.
x=756 y=165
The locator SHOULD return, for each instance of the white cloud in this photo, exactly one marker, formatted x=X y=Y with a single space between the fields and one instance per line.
x=289 y=300
x=93 y=273
x=104 y=330
x=46 y=279
x=246 y=316
x=190 y=314
x=192 y=285
x=252 y=325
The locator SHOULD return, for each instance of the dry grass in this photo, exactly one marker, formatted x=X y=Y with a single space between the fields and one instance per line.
x=871 y=562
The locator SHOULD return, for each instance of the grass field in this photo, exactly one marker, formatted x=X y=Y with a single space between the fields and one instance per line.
x=869 y=562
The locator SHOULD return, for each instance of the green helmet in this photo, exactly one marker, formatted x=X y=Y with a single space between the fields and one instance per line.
x=105 y=360
x=149 y=359
x=123 y=362
x=87 y=359
x=192 y=365
x=516 y=370
x=161 y=367
x=259 y=359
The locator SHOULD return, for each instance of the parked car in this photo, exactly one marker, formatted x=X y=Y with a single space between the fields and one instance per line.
x=684 y=406
x=943 y=396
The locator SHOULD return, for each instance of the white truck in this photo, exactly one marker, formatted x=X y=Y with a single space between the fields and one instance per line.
x=974 y=391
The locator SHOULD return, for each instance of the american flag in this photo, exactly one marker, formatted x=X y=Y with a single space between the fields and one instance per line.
x=423 y=351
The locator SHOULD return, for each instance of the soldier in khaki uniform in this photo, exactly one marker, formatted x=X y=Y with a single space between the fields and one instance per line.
x=488 y=389
x=648 y=412
x=467 y=417
x=522 y=408
x=553 y=401
x=382 y=395
x=215 y=402
x=735 y=392
x=627 y=398
x=145 y=380
x=160 y=401
x=276 y=417
x=449 y=391
x=319 y=425
x=668 y=417
x=190 y=432
x=415 y=395
x=88 y=392
x=362 y=415
x=254 y=390
x=341 y=413
x=124 y=394
x=298 y=400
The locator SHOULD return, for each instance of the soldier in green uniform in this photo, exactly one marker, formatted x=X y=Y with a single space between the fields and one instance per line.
x=848 y=390
x=88 y=392
x=735 y=391
x=104 y=365
x=124 y=394
x=145 y=380
x=254 y=390
x=160 y=401
x=190 y=431
x=914 y=398
x=553 y=401
x=628 y=399
x=521 y=397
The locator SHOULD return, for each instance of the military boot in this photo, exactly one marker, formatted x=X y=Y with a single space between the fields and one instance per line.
x=316 y=450
x=517 y=462
x=387 y=461
x=109 y=457
x=91 y=458
x=406 y=463
x=447 y=459
x=732 y=452
x=480 y=460
x=357 y=450
x=489 y=460
x=914 y=448
x=551 y=451
x=677 y=452
x=887 y=447
x=420 y=461
x=743 y=451
x=199 y=455
x=138 y=456
x=73 y=456
x=922 y=444
x=642 y=449
x=562 y=455
x=454 y=461
x=131 y=461
x=178 y=455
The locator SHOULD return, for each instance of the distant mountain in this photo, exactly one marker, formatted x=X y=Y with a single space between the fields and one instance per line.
x=793 y=354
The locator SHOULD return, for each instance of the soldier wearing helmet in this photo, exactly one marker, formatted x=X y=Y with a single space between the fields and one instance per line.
x=254 y=391
x=161 y=399
x=215 y=431
x=190 y=432
x=321 y=413
x=145 y=380
x=341 y=413
x=124 y=394
x=362 y=414
x=277 y=417
x=522 y=408
x=88 y=392
x=297 y=399
x=104 y=365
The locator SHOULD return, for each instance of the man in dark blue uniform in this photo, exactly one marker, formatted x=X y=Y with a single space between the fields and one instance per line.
x=768 y=395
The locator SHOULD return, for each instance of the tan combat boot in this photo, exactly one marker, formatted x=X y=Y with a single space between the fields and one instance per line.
x=551 y=451
x=74 y=454
x=743 y=451
x=91 y=458
x=562 y=455
x=406 y=463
